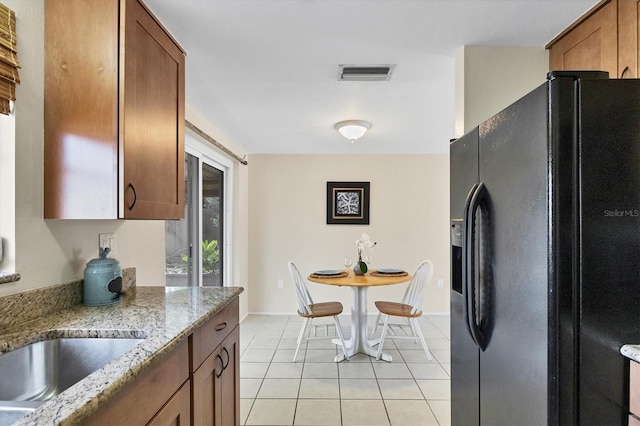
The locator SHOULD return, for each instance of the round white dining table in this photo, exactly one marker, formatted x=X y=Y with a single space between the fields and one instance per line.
x=358 y=341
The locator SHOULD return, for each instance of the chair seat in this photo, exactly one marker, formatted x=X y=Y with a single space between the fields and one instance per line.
x=324 y=309
x=396 y=309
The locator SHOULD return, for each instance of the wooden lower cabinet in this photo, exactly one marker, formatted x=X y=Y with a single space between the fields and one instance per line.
x=177 y=411
x=151 y=394
x=196 y=383
x=215 y=385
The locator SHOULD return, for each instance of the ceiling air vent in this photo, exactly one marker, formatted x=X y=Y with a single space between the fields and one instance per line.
x=365 y=72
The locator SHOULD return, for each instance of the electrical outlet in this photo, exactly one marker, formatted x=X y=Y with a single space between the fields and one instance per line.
x=440 y=283
x=108 y=241
x=280 y=284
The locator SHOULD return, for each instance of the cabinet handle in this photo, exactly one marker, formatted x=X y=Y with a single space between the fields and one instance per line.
x=221 y=326
x=221 y=365
x=135 y=196
x=228 y=358
x=624 y=71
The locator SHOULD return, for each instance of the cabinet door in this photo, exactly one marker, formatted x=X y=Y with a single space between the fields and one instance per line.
x=80 y=110
x=591 y=45
x=216 y=385
x=146 y=396
x=177 y=411
x=151 y=163
x=628 y=38
x=230 y=383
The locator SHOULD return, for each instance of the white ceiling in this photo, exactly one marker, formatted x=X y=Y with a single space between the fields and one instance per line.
x=264 y=72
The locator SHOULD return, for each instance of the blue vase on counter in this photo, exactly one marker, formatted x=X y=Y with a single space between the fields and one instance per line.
x=102 y=281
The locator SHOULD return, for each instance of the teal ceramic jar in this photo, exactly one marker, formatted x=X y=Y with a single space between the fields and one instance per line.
x=102 y=281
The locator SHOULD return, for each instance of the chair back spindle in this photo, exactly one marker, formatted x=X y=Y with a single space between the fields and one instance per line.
x=302 y=293
x=415 y=292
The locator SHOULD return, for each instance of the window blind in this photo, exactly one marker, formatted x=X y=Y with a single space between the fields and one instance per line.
x=8 y=59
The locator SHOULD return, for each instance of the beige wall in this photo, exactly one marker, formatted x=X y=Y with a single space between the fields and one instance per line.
x=53 y=251
x=409 y=213
x=490 y=78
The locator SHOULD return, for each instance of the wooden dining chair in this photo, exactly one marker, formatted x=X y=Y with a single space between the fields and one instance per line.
x=410 y=309
x=309 y=310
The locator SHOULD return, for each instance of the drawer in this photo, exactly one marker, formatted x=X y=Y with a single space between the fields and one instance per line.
x=634 y=388
x=206 y=338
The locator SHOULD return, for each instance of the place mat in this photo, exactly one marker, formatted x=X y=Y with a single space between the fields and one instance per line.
x=340 y=275
x=379 y=274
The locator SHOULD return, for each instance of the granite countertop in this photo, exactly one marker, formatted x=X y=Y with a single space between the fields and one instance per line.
x=631 y=351
x=163 y=316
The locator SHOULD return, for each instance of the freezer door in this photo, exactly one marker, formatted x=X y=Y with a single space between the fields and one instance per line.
x=465 y=375
x=513 y=282
x=609 y=244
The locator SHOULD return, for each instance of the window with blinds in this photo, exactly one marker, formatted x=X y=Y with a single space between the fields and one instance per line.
x=8 y=59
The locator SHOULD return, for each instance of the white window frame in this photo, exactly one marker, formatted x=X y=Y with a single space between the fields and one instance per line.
x=207 y=154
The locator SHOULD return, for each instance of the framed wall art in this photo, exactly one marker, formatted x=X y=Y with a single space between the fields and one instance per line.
x=348 y=203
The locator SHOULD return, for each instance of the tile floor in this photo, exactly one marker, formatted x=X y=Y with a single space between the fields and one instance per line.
x=314 y=390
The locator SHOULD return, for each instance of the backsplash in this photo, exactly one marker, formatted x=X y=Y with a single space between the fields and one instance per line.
x=19 y=308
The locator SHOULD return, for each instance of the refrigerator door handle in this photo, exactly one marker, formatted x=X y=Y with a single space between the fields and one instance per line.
x=465 y=259
x=470 y=248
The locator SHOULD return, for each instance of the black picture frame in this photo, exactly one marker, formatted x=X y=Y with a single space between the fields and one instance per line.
x=348 y=203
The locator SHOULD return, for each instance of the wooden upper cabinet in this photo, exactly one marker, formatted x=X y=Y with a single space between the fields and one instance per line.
x=152 y=125
x=114 y=113
x=591 y=45
x=628 y=22
x=605 y=38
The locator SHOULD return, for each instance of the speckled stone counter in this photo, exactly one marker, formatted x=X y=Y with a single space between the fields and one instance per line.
x=163 y=316
x=9 y=278
x=631 y=352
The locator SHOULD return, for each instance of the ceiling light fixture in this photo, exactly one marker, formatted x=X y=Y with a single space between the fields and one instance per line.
x=352 y=129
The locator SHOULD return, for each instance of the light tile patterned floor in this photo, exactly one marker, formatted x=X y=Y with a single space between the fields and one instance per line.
x=314 y=390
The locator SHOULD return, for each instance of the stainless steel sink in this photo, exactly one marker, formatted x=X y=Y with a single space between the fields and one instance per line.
x=37 y=372
x=12 y=411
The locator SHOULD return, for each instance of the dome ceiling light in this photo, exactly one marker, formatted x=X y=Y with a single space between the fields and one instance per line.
x=352 y=129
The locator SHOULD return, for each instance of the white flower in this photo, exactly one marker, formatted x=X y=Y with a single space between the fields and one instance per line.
x=365 y=242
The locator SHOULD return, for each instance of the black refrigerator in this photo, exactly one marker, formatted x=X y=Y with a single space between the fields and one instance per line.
x=545 y=256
